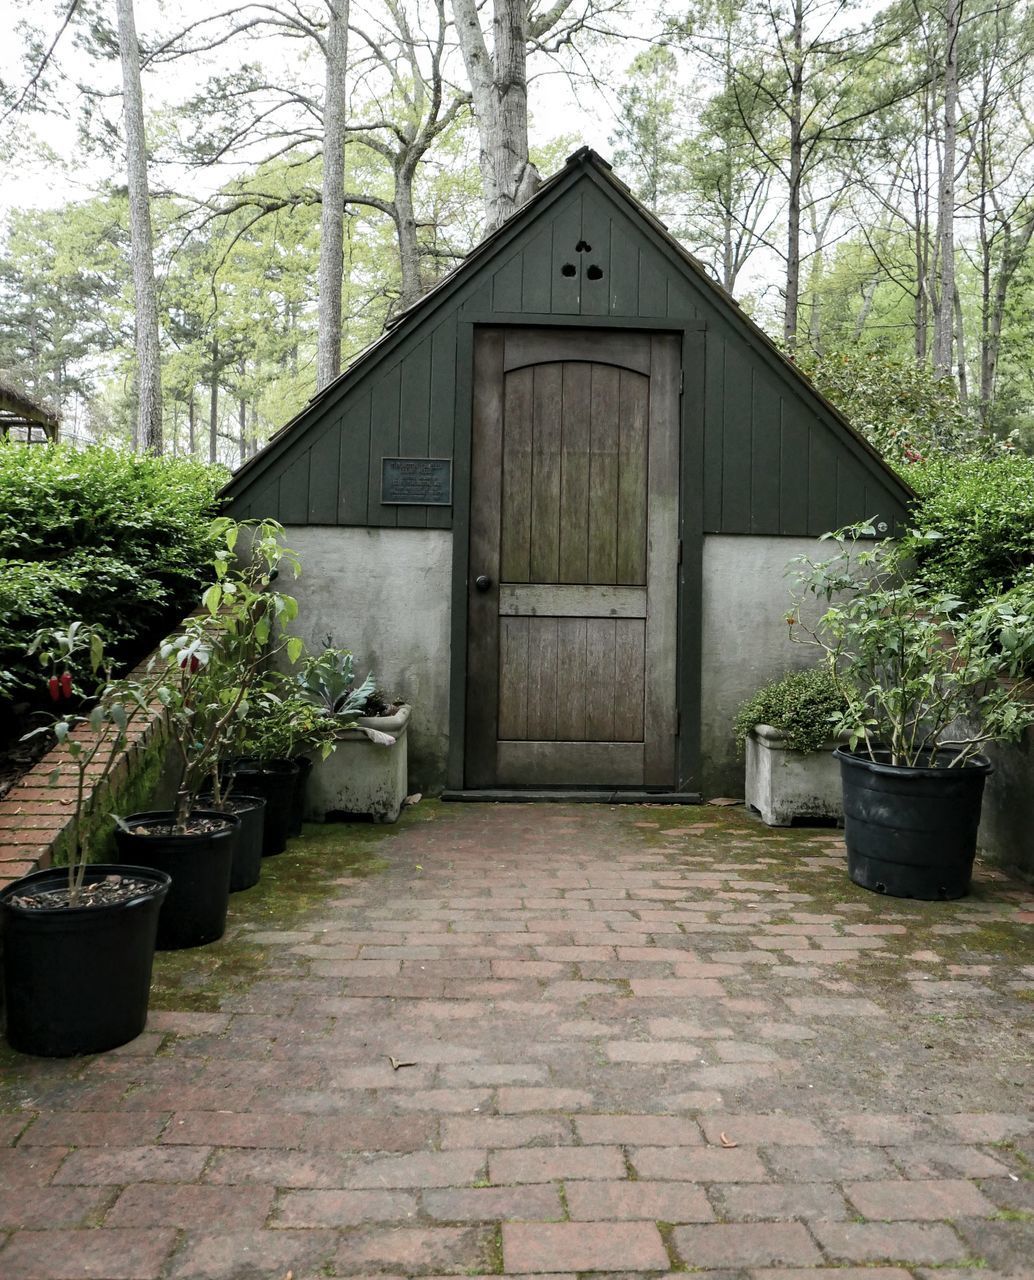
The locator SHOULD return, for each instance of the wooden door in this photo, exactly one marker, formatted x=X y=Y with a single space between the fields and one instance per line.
x=573 y=559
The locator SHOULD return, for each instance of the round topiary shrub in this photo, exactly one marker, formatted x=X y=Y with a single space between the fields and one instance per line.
x=802 y=705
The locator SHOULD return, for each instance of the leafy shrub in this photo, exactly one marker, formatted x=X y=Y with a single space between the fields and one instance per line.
x=116 y=538
x=898 y=406
x=983 y=511
x=802 y=705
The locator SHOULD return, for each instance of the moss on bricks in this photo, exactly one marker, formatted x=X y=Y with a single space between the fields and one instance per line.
x=292 y=884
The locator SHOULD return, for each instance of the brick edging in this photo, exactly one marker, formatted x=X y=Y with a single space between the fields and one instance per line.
x=35 y=816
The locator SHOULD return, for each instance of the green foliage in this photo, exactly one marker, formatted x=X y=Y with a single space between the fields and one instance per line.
x=897 y=405
x=328 y=681
x=116 y=538
x=802 y=705
x=280 y=723
x=982 y=509
x=913 y=663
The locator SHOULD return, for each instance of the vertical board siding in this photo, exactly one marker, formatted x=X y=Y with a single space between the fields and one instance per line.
x=353 y=474
x=324 y=460
x=765 y=455
x=567 y=231
x=385 y=412
x=441 y=431
x=574 y=473
x=773 y=461
x=414 y=420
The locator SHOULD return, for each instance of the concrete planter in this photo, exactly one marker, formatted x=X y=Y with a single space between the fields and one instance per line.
x=361 y=777
x=783 y=784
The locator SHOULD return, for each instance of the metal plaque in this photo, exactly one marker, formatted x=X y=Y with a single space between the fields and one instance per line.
x=419 y=482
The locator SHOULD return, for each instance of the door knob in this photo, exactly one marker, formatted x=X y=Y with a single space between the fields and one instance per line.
x=483 y=582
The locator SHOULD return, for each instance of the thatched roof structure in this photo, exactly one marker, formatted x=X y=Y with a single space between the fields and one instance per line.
x=23 y=418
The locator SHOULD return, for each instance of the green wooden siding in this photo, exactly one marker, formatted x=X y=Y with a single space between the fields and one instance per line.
x=775 y=460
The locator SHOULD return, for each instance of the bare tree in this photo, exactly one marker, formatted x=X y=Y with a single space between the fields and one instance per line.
x=332 y=211
x=149 y=384
x=944 y=300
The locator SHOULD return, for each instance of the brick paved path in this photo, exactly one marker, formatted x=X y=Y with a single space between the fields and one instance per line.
x=641 y=1041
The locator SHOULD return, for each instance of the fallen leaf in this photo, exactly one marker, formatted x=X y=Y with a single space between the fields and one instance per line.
x=726 y=1141
x=395 y=1063
x=724 y=802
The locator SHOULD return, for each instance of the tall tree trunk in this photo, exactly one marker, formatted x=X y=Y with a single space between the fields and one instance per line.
x=499 y=89
x=793 y=221
x=213 y=405
x=405 y=222
x=960 y=347
x=1013 y=253
x=944 y=314
x=332 y=215
x=148 y=355
x=242 y=428
x=191 y=425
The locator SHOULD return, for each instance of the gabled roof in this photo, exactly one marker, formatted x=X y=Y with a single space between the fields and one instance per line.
x=582 y=162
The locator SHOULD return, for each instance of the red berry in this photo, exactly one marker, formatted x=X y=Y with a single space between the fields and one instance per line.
x=66 y=683
x=55 y=688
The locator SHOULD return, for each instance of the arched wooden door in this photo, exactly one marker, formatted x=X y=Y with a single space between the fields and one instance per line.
x=573 y=565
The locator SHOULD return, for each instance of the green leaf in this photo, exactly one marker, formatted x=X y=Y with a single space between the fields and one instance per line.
x=213 y=598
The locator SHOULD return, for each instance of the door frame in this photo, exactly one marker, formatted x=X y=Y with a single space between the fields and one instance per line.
x=692 y=336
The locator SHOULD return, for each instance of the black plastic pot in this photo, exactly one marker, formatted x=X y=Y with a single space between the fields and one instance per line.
x=78 y=979
x=911 y=832
x=246 y=865
x=300 y=787
x=195 y=910
x=275 y=781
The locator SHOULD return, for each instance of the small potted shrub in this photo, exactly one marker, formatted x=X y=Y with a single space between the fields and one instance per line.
x=79 y=940
x=205 y=676
x=278 y=730
x=921 y=678
x=785 y=731
x=367 y=772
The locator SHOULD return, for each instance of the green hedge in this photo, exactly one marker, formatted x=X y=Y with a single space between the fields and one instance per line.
x=108 y=537
x=983 y=510
x=801 y=705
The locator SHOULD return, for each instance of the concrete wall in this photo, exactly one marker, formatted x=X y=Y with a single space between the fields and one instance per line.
x=385 y=594
x=745 y=639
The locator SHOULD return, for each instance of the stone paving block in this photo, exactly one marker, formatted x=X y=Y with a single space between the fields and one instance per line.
x=745 y=1245
x=652 y=1051
x=889 y=1242
x=535 y=1099
x=921 y=1200
x=415 y=1251
x=754 y=1203
x=828 y=1163
x=95 y=1129
x=35 y=1206
x=119 y=1166
x=326 y=1208
x=490 y=1132
x=637 y=1201
x=253 y=1255
x=191 y=1206
x=225 y=1129
x=352 y=1132
x=574 y=1246
x=95 y=1253
x=537 y=1202
x=699 y=1164
x=266 y=1167
x=640 y=1130
x=28 y=1166
x=753 y=1130
x=547 y=1164
x=423 y=1169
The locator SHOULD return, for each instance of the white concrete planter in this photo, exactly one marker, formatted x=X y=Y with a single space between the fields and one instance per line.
x=361 y=777
x=783 y=784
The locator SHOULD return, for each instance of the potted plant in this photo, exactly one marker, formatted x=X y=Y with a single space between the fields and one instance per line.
x=920 y=676
x=785 y=733
x=206 y=674
x=79 y=940
x=367 y=772
x=278 y=727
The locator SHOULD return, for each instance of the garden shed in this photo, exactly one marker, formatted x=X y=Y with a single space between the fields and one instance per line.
x=553 y=505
